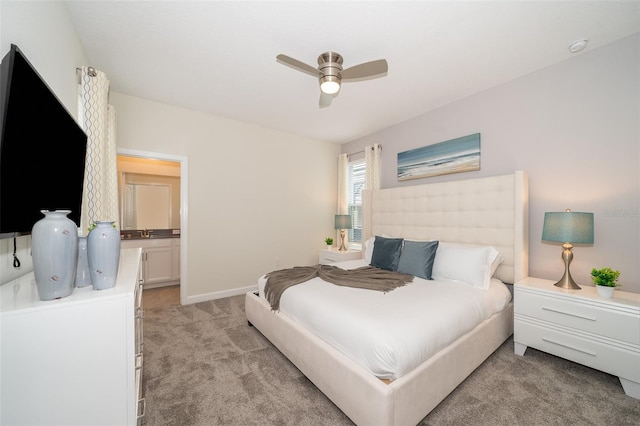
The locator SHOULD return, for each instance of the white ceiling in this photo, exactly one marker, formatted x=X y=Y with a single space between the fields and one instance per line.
x=219 y=57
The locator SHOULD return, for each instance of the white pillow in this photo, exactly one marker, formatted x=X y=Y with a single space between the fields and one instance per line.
x=368 y=249
x=494 y=265
x=471 y=264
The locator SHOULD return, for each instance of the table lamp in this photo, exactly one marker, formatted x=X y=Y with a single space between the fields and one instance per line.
x=342 y=222
x=568 y=228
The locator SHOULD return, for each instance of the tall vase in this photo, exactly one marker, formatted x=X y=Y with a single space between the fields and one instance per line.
x=83 y=277
x=103 y=250
x=54 y=248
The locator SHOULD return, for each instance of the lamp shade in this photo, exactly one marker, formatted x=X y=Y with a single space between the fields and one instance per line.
x=568 y=227
x=343 y=221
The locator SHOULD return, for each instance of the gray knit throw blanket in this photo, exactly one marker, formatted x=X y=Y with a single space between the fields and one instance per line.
x=367 y=277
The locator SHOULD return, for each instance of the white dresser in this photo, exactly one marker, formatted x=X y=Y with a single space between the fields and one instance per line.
x=75 y=360
x=580 y=326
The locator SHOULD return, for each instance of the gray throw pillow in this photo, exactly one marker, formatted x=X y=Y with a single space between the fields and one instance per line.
x=417 y=258
x=386 y=253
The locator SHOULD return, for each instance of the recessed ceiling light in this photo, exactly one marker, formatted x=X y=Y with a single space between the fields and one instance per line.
x=578 y=45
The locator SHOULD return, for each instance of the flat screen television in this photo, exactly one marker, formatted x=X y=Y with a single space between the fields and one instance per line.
x=42 y=150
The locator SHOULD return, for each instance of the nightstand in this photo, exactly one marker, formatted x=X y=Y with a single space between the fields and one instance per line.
x=328 y=257
x=580 y=326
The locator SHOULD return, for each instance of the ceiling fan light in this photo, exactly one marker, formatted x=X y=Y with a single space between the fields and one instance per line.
x=330 y=87
x=330 y=84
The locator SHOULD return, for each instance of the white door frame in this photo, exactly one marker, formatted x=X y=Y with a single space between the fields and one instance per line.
x=184 y=217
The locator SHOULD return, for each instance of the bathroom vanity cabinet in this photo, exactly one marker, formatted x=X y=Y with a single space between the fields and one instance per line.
x=160 y=260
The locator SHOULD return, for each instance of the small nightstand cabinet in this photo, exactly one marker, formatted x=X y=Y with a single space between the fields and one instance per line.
x=581 y=326
x=327 y=257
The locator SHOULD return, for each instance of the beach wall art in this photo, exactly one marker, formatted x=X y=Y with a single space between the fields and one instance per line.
x=452 y=156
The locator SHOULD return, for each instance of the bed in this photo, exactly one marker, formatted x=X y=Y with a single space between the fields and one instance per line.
x=489 y=211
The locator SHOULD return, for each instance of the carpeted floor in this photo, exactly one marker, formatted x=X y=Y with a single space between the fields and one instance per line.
x=203 y=365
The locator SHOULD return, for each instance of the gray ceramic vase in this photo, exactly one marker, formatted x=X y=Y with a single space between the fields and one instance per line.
x=103 y=250
x=83 y=277
x=54 y=247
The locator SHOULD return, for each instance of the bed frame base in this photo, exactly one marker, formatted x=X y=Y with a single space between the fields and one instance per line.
x=360 y=395
x=488 y=211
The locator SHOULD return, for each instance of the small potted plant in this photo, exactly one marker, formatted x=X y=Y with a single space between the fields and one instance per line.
x=606 y=280
x=329 y=242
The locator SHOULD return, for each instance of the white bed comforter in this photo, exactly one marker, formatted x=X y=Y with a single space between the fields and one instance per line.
x=391 y=333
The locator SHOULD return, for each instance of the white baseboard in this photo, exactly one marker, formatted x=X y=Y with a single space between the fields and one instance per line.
x=158 y=285
x=219 y=294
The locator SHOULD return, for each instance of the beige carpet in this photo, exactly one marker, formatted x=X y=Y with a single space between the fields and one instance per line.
x=203 y=365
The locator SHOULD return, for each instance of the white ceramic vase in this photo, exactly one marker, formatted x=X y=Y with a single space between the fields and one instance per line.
x=605 y=291
x=83 y=277
x=54 y=248
x=103 y=252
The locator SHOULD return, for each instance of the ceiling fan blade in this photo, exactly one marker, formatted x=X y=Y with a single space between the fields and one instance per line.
x=365 y=71
x=325 y=99
x=296 y=64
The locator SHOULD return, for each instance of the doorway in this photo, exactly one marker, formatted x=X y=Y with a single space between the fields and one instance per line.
x=159 y=160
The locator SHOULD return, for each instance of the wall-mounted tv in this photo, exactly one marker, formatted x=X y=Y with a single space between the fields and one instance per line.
x=42 y=149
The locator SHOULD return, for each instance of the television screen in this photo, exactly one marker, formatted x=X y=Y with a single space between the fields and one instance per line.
x=42 y=149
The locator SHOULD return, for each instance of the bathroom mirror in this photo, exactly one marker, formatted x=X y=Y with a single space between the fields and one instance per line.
x=150 y=201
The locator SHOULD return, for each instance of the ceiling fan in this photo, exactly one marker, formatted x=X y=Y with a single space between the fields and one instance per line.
x=331 y=75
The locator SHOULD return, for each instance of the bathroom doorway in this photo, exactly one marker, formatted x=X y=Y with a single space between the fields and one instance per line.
x=140 y=174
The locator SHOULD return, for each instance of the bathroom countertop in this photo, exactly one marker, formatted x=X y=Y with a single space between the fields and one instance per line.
x=149 y=234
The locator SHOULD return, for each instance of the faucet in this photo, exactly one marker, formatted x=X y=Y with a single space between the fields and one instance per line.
x=145 y=233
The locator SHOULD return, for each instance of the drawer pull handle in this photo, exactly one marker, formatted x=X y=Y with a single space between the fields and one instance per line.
x=568 y=346
x=142 y=402
x=568 y=313
x=139 y=361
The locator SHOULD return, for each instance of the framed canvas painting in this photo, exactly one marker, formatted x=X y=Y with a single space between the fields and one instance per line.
x=452 y=156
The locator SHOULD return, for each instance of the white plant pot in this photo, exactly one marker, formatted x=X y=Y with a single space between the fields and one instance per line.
x=605 y=291
x=329 y=247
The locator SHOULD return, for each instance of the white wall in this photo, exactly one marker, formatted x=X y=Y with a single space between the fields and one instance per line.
x=574 y=127
x=259 y=199
x=43 y=31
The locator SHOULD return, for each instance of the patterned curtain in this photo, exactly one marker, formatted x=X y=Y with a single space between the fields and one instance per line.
x=372 y=166
x=98 y=119
x=343 y=202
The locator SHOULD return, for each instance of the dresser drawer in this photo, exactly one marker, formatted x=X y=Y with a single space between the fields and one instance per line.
x=602 y=355
x=578 y=314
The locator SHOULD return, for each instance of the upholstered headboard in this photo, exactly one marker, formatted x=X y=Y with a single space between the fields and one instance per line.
x=488 y=211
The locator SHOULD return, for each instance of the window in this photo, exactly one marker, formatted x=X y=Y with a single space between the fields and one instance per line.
x=355 y=184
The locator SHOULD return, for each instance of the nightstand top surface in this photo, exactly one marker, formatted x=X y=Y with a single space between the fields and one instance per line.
x=587 y=293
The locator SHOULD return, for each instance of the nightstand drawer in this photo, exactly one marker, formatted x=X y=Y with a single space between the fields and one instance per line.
x=328 y=257
x=605 y=355
x=578 y=314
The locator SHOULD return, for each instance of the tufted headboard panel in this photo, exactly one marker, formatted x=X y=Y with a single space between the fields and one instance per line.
x=488 y=211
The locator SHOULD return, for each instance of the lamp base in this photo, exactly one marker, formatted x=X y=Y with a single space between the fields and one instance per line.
x=567 y=281
x=342 y=247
